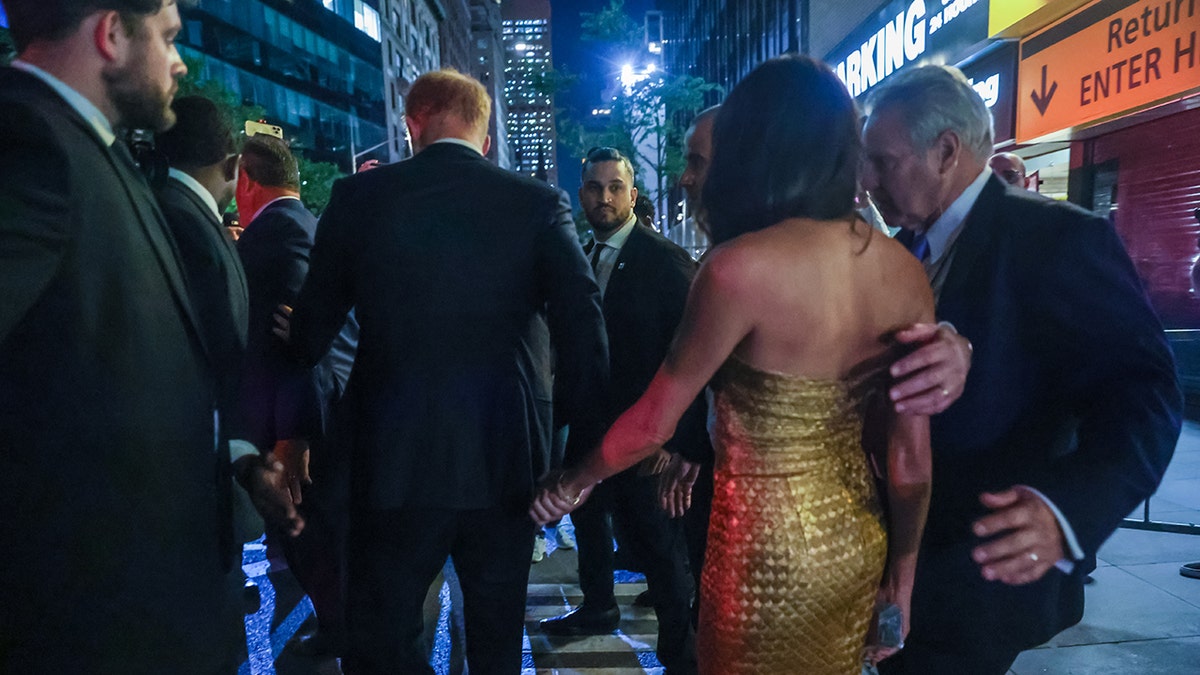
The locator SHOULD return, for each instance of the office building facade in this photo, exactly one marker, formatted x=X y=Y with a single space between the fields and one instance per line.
x=314 y=65
x=531 y=132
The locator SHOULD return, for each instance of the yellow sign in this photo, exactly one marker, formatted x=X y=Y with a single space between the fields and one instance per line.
x=1004 y=13
x=1108 y=58
x=1018 y=18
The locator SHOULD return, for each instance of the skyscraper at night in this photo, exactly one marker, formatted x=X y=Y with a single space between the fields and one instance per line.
x=531 y=135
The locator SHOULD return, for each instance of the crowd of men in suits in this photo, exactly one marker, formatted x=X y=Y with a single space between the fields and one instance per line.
x=145 y=376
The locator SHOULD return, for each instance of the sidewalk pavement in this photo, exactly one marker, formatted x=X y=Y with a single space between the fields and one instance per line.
x=1141 y=616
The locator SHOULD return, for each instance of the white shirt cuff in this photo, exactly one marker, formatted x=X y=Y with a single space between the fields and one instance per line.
x=239 y=449
x=1073 y=547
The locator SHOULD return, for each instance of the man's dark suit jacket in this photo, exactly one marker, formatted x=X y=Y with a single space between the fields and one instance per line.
x=280 y=399
x=643 y=304
x=459 y=296
x=113 y=487
x=218 y=288
x=1072 y=391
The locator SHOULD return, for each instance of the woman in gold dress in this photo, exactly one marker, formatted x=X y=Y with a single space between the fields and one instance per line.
x=789 y=321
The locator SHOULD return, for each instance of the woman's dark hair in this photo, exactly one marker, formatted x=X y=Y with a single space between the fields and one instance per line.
x=785 y=145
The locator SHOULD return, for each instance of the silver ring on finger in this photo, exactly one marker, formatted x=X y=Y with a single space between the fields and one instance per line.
x=1034 y=557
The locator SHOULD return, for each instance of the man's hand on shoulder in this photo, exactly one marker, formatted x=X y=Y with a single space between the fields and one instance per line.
x=934 y=374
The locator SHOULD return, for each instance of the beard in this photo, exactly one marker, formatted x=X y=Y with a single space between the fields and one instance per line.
x=607 y=219
x=139 y=101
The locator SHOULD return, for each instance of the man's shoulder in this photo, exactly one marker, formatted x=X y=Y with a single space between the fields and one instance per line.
x=18 y=87
x=287 y=211
x=1036 y=205
x=654 y=243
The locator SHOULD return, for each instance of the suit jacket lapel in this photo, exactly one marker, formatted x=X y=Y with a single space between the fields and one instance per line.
x=238 y=290
x=151 y=221
x=625 y=264
x=971 y=243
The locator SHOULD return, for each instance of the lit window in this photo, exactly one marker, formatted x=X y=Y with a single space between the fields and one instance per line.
x=366 y=19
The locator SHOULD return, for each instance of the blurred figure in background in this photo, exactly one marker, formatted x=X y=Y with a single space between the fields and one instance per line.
x=1010 y=168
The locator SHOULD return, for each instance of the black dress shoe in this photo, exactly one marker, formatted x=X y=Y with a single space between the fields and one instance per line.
x=583 y=621
x=250 y=597
x=321 y=644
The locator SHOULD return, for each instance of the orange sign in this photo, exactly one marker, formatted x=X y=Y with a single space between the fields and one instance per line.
x=1108 y=58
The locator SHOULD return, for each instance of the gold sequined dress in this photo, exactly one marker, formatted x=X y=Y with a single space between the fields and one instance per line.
x=796 y=543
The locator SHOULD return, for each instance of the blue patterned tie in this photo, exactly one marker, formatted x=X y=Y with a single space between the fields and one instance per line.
x=919 y=246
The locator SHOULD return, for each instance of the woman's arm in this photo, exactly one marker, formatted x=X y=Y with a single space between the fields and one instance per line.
x=717 y=317
x=909 y=475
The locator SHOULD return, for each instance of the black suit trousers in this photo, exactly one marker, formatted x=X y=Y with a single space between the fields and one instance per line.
x=396 y=554
x=658 y=544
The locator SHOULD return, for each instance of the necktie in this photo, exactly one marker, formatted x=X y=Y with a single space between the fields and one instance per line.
x=919 y=246
x=596 y=255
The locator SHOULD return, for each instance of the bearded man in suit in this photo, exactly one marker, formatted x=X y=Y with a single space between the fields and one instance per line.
x=644 y=280
x=118 y=548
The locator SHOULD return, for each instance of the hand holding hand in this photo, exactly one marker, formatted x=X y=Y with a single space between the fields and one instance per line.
x=933 y=376
x=654 y=464
x=675 y=486
x=292 y=454
x=557 y=499
x=283 y=323
x=1031 y=540
x=264 y=480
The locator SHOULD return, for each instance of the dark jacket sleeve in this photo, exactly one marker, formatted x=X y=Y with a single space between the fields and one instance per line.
x=1116 y=373
x=280 y=399
x=691 y=432
x=573 y=313
x=326 y=296
x=35 y=219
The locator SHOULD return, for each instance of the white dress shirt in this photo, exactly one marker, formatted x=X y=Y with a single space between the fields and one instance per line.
x=611 y=251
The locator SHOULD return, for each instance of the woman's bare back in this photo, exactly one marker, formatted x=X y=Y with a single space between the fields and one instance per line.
x=823 y=297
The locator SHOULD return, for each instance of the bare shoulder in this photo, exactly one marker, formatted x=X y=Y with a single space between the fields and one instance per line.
x=738 y=270
x=907 y=283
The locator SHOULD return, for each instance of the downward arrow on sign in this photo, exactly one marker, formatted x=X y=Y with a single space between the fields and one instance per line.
x=1042 y=99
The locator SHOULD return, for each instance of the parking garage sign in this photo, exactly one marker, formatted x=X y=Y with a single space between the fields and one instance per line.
x=1108 y=58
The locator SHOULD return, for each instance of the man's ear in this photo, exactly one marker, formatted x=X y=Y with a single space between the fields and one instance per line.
x=109 y=36
x=487 y=143
x=414 y=130
x=947 y=146
x=229 y=168
x=633 y=194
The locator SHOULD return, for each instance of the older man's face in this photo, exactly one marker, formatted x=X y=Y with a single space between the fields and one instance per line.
x=906 y=183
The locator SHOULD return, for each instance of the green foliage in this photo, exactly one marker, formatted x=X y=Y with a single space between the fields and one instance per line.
x=316 y=182
x=553 y=81
x=647 y=125
x=8 y=49
x=316 y=178
x=236 y=110
x=612 y=25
